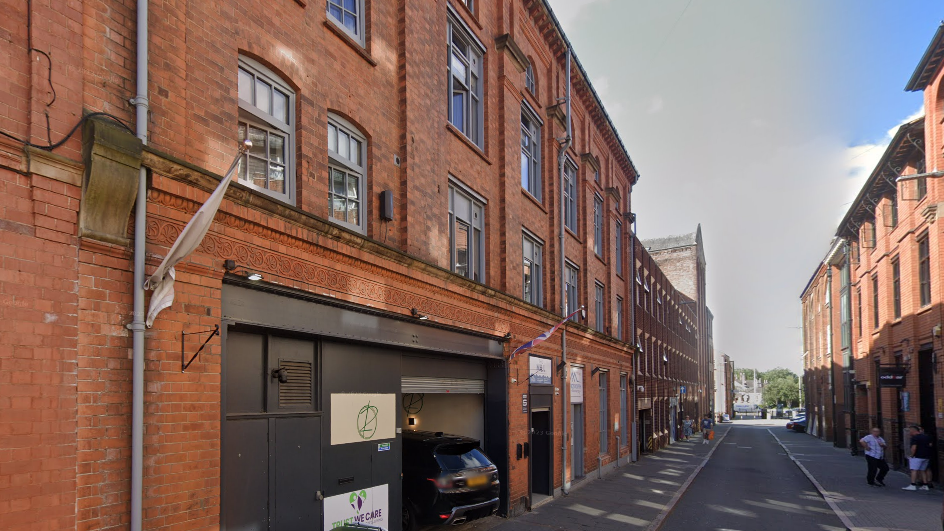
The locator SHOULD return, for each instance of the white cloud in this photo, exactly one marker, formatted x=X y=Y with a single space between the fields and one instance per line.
x=861 y=160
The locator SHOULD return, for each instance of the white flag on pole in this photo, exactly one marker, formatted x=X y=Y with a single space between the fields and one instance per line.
x=162 y=281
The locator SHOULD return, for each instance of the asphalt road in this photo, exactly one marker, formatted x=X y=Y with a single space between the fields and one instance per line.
x=750 y=484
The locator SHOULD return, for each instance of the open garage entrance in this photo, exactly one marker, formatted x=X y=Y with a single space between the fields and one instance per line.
x=444 y=394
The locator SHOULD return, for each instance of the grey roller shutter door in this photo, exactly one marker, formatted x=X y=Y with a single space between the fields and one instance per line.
x=426 y=384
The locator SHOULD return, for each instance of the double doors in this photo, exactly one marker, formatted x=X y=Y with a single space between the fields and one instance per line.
x=271 y=434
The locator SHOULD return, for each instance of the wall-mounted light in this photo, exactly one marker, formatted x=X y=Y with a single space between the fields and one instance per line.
x=506 y=337
x=412 y=421
x=594 y=371
x=416 y=313
x=230 y=267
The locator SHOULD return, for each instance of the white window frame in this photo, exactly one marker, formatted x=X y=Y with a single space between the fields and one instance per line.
x=571 y=288
x=599 y=319
x=536 y=261
x=598 y=224
x=338 y=162
x=251 y=115
x=529 y=78
x=358 y=33
x=472 y=84
x=475 y=221
x=535 y=182
x=570 y=195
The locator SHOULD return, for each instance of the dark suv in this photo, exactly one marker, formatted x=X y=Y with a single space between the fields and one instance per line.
x=446 y=480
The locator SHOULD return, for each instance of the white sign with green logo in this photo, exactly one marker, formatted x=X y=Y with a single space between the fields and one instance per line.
x=362 y=417
x=365 y=506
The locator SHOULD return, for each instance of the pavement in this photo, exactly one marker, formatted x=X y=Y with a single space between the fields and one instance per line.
x=842 y=479
x=631 y=497
x=755 y=475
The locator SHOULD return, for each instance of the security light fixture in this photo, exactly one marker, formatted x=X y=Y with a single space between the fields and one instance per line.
x=412 y=421
x=230 y=267
x=594 y=371
x=416 y=313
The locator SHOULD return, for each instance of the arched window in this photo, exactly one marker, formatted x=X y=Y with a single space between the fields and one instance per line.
x=347 y=164
x=529 y=77
x=267 y=118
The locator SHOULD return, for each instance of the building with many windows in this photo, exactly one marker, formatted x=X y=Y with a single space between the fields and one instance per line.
x=872 y=310
x=387 y=241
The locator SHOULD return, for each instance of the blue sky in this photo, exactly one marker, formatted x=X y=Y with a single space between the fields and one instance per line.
x=758 y=119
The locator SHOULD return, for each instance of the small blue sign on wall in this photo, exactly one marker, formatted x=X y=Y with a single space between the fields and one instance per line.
x=905 y=401
x=383 y=447
x=682 y=388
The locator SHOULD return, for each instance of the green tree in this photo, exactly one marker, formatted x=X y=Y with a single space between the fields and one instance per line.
x=776 y=374
x=783 y=390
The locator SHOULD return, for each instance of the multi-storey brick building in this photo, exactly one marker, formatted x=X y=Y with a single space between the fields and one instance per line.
x=682 y=261
x=668 y=387
x=388 y=240
x=872 y=311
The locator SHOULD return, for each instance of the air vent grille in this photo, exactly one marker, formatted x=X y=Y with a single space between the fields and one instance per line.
x=296 y=392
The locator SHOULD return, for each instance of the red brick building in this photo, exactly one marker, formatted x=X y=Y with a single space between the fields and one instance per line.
x=872 y=312
x=668 y=385
x=390 y=238
x=682 y=261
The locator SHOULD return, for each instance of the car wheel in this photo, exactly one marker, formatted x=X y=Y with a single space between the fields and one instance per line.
x=408 y=518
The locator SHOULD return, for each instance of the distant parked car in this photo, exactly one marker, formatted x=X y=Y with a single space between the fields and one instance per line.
x=791 y=425
x=446 y=480
x=799 y=425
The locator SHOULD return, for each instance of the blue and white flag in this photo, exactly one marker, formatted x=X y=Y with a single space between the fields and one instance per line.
x=543 y=337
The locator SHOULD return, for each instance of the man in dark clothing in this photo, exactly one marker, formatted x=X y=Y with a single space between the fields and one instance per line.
x=921 y=447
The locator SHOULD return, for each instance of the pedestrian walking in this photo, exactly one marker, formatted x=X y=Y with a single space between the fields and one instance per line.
x=875 y=446
x=920 y=456
x=706 y=429
x=687 y=426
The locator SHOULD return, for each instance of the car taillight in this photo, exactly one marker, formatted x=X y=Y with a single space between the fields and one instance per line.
x=449 y=481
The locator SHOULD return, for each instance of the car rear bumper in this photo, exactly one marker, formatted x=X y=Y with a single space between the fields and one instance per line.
x=465 y=513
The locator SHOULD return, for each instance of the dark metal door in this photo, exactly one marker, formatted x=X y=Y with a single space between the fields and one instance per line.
x=271 y=434
x=578 y=441
x=541 y=452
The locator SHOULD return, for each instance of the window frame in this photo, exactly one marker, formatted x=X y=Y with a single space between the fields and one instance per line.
x=535 y=181
x=529 y=83
x=924 y=270
x=875 y=302
x=250 y=114
x=896 y=288
x=571 y=192
x=619 y=249
x=599 y=317
x=571 y=288
x=476 y=259
x=473 y=126
x=338 y=162
x=598 y=225
x=619 y=318
x=359 y=36
x=537 y=277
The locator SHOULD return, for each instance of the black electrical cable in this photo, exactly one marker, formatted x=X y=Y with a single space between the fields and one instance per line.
x=52 y=146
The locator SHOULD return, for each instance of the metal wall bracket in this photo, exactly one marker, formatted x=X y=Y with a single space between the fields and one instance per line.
x=183 y=336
